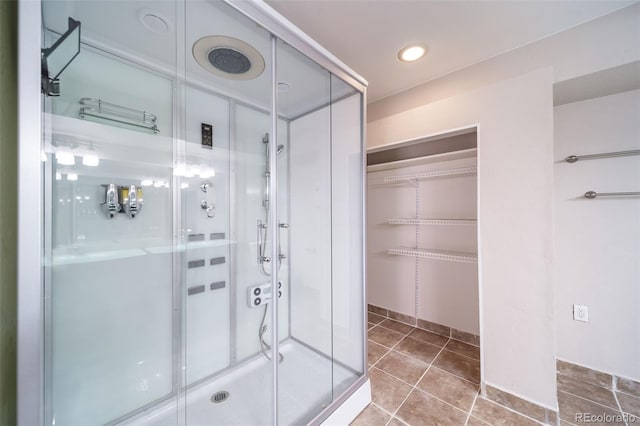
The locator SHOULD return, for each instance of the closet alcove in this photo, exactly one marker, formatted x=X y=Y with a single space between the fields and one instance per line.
x=422 y=233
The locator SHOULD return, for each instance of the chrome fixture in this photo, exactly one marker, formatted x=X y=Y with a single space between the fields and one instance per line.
x=122 y=199
x=262 y=247
x=98 y=108
x=111 y=204
x=262 y=227
x=131 y=200
x=593 y=194
x=573 y=158
x=209 y=208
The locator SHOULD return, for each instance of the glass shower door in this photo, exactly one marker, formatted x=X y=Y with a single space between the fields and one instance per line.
x=323 y=162
x=109 y=247
x=305 y=381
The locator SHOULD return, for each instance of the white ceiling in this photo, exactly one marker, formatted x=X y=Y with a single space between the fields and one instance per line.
x=367 y=34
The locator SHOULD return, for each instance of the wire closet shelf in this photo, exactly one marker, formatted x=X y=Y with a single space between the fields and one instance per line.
x=451 y=256
x=417 y=221
x=413 y=177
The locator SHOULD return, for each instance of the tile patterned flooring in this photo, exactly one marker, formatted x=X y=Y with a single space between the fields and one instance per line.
x=581 y=390
x=421 y=378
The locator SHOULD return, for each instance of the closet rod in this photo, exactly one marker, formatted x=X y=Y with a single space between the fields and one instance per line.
x=573 y=158
x=593 y=194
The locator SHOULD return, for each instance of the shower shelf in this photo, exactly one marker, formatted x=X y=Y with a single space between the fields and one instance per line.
x=413 y=177
x=451 y=256
x=98 y=108
x=401 y=221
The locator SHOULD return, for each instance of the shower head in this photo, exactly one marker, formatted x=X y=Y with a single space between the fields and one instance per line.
x=228 y=57
x=229 y=60
x=280 y=149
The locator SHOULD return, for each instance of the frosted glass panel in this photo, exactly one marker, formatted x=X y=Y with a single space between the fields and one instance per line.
x=346 y=229
x=309 y=230
x=110 y=273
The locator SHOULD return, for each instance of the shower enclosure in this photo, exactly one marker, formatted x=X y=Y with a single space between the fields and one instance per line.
x=201 y=207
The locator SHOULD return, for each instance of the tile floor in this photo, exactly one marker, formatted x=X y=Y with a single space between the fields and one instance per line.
x=576 y=397
x=420 y=378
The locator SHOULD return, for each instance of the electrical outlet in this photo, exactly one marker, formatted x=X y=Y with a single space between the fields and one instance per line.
x=581 y=313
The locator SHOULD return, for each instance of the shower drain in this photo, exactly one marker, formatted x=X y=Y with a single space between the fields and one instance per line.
x=219 y=397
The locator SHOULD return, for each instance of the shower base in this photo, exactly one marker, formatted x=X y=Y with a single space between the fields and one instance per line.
x=305 y=386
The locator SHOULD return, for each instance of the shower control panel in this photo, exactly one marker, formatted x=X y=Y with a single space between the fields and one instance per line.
x=207 y=135
x=260 y=295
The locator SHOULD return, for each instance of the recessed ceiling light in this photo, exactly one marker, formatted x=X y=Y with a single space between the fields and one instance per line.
x=154 y=21
x=412 y=52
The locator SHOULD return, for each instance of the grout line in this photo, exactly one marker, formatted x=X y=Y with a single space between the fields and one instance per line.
x=456 y=376
x=458 y=353
x=385 y=346
x=398 y=419
x=384 y=410
x=466 y=422
x=462 y=341
x=586 y=399
x=615 y=396
x=448 y=336
x=513 y=411
x=381 y=356
x=439 y=399
x=439 y=352
x=414 y=386
x=391 y=329
x=434 y=358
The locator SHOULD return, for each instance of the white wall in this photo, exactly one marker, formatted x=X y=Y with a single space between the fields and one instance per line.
x=597 y=242
x=515 y=136
x=603 y=43
x=390 y=279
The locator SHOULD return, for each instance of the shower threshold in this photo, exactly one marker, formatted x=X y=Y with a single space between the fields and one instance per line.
x=305 y=387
